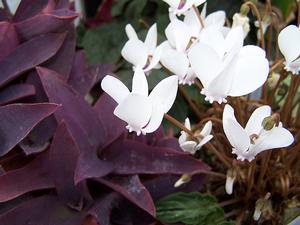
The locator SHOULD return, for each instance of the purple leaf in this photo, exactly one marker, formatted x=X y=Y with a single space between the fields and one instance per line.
x=82 y=79
x=102 y=208
x=43 y=23
x=132 y=189
x=113 y=126
x=62 y=61
x=29 y=8
x=47 y=210
x=63 y=157
x=15 y=92
x=131 y=157
x=8 y=39
x=17 y=120
x=34 y=176
x=41 y=49
x=79 y=116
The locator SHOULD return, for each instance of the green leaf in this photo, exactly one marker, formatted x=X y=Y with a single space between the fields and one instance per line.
x=104 y=44
x=190 y=208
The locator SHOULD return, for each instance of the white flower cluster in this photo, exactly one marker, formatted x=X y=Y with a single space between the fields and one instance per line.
x=202 y=47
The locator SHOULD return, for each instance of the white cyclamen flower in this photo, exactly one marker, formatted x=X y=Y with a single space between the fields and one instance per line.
x=180 y=6
x=139 y=53
x=225 y=67
x=143 y=113
x=249 y=141
x=230 y=179
x=191 y=146
x=241 y=20
x=289 y=45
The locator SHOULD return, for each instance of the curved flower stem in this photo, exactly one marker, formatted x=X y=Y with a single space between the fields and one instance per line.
x=199 y=16
x=189 y=132
x=216 y=174
x=250 y=179
x=258 y=16
x=264 y=165
x=230 y=202
x=276 y=65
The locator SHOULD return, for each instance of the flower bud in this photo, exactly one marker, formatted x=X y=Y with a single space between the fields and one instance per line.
x=263 y=206
x=269 y=122
x=240 y=19
x=244 y=10
x=230 y=178
x=185 y=178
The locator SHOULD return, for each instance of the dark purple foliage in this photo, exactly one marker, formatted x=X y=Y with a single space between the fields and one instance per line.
x=65 y=161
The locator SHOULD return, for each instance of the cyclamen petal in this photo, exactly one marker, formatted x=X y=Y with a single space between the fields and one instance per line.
x=143 y=113
x=180 y=6
x=249 y=142
x=135 y=52
x=289 y=45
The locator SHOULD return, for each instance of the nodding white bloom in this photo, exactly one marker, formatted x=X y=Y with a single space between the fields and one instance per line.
x=191 y=146
x=239 y=19
x=230 y=179
x=139 y=53
x=143 y=113
x=180 y=6
x=80 y=8
x=225 y=67
x=173 y=55
x=289 y=45
x=191 y=19
x=256 y=136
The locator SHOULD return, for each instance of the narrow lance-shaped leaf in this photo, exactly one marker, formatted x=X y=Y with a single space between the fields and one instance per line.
x=8 y=39
x=63 y=157
x=132 y=189
x=34 y=176
x=138 y=158
x=17 y=120
x=41 y=49
x=42 y=210
x=43 y=23
x=15 y=92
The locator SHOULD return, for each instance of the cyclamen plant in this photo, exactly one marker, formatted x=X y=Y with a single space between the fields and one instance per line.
x=204 y=52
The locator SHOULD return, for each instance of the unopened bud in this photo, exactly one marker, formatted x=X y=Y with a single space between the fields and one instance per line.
x=262 y=205
x=244 y=10
x=230 y=178
x=185 y=178
x=270 y=121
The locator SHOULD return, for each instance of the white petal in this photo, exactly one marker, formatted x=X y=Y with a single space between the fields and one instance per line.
x=130 y=32
x=164 y=93
x=204 y=10
x=254 y=124
x=135 y=52
x=199 y=2
x=205 y=62
x=204 y=141
x=206 y=129
x=156 y=118
x=139 y=82
x=175 y=61
x=151 y=38
x=278 y=137
x=193 y=22
x=178 y=34
x=212 y=37
x=234 y=132
x=189 y=146
x=182 y=138
x=215 y=19
x=114 y=88
x=234 y=39
x=251 y=72
x=187 y=123
x=229 y=184
x=135 y=110
x=188 y=4
x=154 y=62
x=288 y=42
